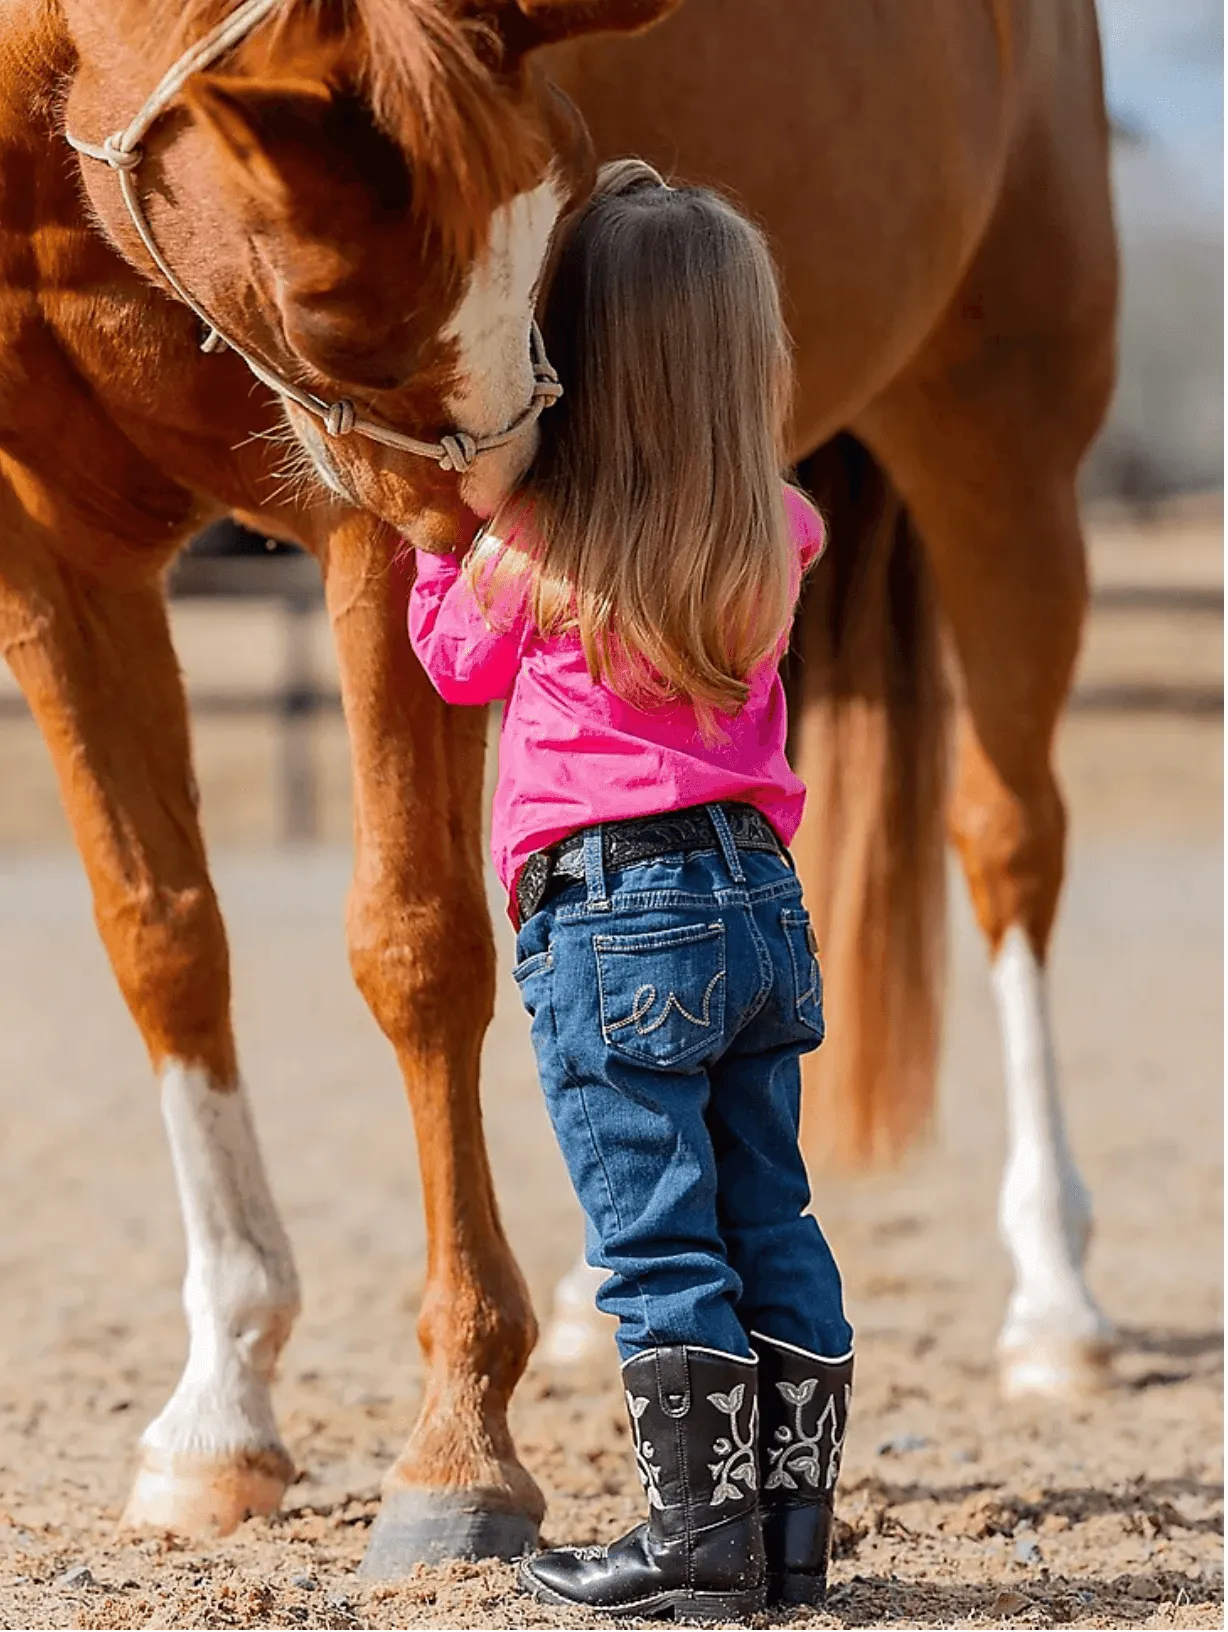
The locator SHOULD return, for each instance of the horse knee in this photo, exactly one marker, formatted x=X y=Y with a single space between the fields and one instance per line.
x=168 y=948
x=425 y=967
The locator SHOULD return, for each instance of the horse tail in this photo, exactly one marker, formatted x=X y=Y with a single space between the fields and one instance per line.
x=869 y=738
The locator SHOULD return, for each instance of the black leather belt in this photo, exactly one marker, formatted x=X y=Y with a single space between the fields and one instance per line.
x=642 y=838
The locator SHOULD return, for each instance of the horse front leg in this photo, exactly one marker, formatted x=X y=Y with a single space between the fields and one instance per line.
x=422 y=954
x=97 y=667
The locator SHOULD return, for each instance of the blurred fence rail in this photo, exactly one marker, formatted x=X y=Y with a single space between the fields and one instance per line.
x=1150 y=608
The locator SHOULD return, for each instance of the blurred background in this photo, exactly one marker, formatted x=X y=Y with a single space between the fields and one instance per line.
x=1164 y=68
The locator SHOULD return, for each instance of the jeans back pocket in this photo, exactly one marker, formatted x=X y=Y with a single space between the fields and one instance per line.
x=804 y=961
x=662 y=995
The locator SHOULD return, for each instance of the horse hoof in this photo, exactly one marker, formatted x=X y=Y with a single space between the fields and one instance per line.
x=426 y=1527
x=198 y=1496
x=1054 y=1369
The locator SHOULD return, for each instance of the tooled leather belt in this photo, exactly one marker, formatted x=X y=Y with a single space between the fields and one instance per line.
x=642 y=838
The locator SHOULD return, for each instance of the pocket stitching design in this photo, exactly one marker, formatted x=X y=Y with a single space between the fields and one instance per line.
x=633 y=945
x=639 y=1010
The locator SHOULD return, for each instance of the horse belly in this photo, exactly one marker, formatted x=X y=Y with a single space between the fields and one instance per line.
x=868 y=141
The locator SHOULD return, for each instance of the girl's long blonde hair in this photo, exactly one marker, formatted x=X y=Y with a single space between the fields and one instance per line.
x=656 y=520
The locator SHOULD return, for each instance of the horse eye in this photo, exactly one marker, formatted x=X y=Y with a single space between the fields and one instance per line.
x=370 y=154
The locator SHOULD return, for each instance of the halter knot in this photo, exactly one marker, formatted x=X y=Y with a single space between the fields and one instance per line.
x=339 y=420
x=459 y=452
x=121 y=158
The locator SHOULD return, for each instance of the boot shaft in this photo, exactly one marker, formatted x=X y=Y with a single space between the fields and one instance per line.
x=805 y=1402
x=694 y=1429
x=694 y=1418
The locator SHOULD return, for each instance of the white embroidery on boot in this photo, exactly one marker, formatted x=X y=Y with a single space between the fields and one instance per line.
x=646 y=1467
x=798 y=1452
x=737 y=1455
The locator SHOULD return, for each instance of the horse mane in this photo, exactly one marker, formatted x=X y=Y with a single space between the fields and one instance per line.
x=428 y=77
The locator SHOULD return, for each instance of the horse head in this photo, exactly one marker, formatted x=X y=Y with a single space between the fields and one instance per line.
x=361 y=194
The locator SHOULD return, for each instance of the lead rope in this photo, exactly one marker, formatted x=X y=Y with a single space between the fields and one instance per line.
x=123 y=153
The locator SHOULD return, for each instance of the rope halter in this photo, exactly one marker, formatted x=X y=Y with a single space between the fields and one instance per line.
x=123 y=152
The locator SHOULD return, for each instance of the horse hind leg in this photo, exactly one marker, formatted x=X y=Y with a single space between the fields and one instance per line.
x=998 y=513
x=98 y=670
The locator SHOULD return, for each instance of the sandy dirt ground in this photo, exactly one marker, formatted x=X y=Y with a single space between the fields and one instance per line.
x=956 y=1510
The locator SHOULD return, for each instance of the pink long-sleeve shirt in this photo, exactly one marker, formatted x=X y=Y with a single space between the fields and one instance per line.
x=572 y=752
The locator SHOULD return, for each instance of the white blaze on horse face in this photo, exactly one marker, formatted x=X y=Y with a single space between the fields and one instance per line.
x=1053 y=1327
x=240 y=1292
x=491 y=330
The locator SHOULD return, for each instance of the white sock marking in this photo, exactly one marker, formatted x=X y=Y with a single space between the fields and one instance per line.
x=240 y=1293
x=1044 y=1211
x=491 y=329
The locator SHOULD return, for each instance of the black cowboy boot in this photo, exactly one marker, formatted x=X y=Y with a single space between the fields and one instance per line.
x=694 y=1415
x=804 y=1401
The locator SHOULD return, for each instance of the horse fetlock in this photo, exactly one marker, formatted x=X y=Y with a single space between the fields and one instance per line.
x=213 y=1455
x=1059 y=1348
x=242 y=1302
x=222 y=1405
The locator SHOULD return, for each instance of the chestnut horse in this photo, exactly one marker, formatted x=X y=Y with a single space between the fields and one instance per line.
x=358 y=196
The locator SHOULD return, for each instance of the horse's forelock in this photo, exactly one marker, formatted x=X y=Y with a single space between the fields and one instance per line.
x=471 y=144
x=428 y=77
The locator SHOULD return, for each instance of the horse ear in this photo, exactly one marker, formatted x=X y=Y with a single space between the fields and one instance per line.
x=266 y=130
x=528 y=24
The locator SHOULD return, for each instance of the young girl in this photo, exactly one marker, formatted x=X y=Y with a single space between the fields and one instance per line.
x=630 y=607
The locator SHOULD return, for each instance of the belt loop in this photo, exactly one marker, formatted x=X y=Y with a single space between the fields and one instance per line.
x=724 y=838
x=594 y=870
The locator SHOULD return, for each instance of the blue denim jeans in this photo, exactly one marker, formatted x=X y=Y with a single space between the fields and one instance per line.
x=671 y=1003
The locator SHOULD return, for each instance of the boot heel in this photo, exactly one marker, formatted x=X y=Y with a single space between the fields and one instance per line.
x=720 y=1606
x=799 y=1587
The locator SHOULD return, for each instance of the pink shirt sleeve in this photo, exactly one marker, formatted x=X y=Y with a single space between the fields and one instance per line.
x=468 y=658
x=809 y=534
